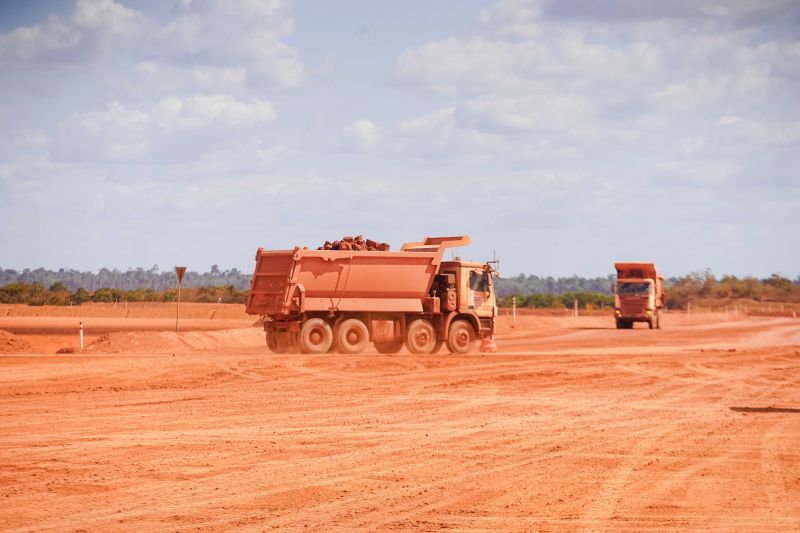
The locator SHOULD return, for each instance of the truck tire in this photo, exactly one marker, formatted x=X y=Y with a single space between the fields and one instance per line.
x=316 y=336
x=350 y=336
x=658 y=319
x=272 y=341
x=284 y=342
x=461 y=337
x=652 y=322
x=420 y=337
x=388 y=348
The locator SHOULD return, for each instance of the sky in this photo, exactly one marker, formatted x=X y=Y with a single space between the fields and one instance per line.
x=560 y=135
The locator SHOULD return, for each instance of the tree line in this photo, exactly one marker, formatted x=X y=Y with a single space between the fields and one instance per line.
x=73 y=287
x=131 y=279
x=678 y=291
x=705 y=285
x=58 y=294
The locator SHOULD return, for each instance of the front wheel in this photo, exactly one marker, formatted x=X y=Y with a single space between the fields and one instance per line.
x=316 y=336
x=460 y=338
x=420 y=337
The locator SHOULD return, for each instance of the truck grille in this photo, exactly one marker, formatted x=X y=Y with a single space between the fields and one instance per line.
x=633 y=306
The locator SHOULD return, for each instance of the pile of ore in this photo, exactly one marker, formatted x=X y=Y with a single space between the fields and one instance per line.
x=355 y=243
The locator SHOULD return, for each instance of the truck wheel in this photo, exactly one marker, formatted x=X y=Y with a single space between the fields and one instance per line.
x=285 y=342
x=351 y=336
x=272 y=341
x=652 y=322
x=420 y=337
x=460 y=337
x=619 y=324
x=388 y=348
x=316 y=336
x=658 y=320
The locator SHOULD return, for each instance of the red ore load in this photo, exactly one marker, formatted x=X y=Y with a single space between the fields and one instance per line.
x=358 y=244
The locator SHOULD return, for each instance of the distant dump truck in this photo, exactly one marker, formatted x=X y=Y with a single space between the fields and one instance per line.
x=317 y=301
x=639 y=295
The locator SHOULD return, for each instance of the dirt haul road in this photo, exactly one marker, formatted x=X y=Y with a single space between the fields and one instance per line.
x=572 y=426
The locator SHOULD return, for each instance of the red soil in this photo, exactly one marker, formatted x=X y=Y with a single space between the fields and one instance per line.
x=572 y=426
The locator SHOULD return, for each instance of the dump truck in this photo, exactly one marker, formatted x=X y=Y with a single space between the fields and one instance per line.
x=638 y=295
x=317 y=301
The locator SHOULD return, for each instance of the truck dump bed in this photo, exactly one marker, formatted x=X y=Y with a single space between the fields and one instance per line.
x=294 y=281
x=635 y=270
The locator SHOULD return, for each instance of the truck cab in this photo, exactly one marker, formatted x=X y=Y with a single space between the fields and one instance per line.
x=465 y=291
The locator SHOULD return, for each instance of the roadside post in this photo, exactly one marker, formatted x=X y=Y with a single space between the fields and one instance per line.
x=80 y=333
x=513 y=311
x=179 y=271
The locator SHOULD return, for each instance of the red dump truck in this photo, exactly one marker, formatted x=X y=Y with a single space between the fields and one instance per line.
x=639 y=295
x=340 y=300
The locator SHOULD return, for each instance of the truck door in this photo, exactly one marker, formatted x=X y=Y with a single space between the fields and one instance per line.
x=479 y=294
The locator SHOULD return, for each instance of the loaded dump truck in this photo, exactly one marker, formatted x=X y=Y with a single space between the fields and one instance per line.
x=639 y=295
x=317 y=301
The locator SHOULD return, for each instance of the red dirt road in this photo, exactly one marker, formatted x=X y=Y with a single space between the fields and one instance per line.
x=572 y=426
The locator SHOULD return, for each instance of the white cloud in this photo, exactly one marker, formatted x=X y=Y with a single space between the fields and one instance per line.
x=174 y=128
x=107 y=16
x=517 y=18
x=89 y=30
x=205 y=110
x=241 y=41
x=249 y=34
x=644 y=81
x=545 y=112
x=361 y=134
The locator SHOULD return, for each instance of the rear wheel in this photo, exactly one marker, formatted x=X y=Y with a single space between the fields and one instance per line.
x=420 y=337
x=284 y=342
x=316 y=336
x=272 y=341
x=460 y=338
x=658 y=319
x=351 y=336
x=388 y=348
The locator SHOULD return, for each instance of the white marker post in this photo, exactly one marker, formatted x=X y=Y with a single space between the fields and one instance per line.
x=513 y=311
x=80 y=333
x=180 y=271
x=575 y=308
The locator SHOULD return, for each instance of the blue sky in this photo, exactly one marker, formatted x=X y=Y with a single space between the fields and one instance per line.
x=561 y=136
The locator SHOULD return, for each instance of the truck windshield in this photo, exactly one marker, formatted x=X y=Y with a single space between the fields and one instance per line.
x=479 y=281
x=634 y=288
